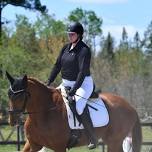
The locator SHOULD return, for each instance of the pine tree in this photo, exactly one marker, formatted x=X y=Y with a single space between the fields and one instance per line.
x=124 y=40
x=137 y=42
x=108 y=48
x=147 y=42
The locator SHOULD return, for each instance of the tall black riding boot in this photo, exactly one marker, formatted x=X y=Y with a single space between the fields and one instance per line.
x=89 y=129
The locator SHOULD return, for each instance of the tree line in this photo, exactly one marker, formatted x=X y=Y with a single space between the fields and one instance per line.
x=124 y=69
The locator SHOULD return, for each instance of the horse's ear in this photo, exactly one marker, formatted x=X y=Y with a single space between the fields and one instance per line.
x=25 y=81
x=10 y=78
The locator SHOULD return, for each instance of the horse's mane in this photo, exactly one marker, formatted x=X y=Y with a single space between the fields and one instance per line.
x=40 y=83
x=36 y=81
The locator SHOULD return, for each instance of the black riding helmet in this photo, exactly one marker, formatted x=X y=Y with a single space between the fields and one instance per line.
x=77 y=28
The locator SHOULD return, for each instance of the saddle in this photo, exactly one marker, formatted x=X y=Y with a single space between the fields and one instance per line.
x=72 y=104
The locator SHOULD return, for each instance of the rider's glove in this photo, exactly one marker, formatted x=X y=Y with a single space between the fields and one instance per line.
x=49 y=82
x=71 y=92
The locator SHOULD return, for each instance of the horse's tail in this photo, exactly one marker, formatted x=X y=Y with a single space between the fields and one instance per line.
x=137 y=136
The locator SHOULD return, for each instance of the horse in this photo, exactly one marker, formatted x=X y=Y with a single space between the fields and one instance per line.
x=47 y=124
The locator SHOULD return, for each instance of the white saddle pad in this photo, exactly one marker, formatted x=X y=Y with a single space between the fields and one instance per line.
x=100 y=117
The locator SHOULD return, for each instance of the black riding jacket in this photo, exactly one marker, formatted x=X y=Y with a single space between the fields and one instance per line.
x=74 y=64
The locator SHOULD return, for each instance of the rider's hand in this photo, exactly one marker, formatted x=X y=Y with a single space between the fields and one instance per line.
x=71 y=92
x=48 y=83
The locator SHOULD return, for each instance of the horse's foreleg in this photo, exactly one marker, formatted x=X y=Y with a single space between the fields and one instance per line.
x=43 y=150
x=35 y=148
x=26 y=147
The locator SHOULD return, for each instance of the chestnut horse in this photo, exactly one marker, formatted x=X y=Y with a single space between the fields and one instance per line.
x=47 y=123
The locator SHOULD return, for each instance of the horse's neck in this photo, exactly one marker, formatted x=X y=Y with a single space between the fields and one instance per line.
x=44 y=100
x=39 y=98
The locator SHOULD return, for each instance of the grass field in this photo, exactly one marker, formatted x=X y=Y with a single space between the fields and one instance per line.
x=13 y=149
x=81 y=149
x=147 y=136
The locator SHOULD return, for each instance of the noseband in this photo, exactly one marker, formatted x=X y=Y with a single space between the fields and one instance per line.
x=14 y=95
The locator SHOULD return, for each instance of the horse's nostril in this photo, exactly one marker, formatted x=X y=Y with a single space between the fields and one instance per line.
x=12 y=122
x=14 y=119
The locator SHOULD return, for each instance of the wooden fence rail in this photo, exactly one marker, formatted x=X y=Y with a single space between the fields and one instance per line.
x=20 y=136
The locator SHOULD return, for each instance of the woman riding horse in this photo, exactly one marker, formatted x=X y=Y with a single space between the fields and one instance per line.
x=74 y=64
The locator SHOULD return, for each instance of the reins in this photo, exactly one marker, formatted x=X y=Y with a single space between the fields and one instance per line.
x=50 y=109
x=27 y=95
x=90 y=100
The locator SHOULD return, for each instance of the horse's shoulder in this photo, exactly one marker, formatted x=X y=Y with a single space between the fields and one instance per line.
x=55 y=94
x=53 y=90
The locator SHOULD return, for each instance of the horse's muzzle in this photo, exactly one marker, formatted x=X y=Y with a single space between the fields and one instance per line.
x=14 y=119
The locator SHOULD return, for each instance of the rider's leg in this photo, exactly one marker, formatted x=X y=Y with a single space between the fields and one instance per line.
x=84 y=93
x=89 y=129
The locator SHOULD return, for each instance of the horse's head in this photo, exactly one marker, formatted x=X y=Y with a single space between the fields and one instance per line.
x=18 y=97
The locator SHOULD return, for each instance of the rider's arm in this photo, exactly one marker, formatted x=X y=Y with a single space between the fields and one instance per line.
x=57 y=67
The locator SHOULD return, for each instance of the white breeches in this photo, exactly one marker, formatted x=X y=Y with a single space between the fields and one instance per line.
x=84 y=91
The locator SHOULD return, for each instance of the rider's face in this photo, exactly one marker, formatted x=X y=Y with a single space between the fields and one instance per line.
x=72 y=36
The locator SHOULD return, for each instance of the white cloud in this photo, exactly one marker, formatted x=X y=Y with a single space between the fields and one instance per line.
x=98 y=1
x=116 y=31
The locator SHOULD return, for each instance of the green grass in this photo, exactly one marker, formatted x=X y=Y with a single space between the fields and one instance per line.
x=6 y=130
x=147 y=136
x=10 y=148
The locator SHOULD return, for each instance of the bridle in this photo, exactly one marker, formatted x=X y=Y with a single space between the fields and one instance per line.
x=27 y=95
x=16 y=94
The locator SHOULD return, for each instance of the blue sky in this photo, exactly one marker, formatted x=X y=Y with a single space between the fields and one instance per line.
x=134 y=15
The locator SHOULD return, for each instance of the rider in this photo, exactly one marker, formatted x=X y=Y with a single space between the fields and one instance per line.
x=74 y=64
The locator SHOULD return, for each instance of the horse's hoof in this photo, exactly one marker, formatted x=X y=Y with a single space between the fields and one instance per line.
x=92 y=146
